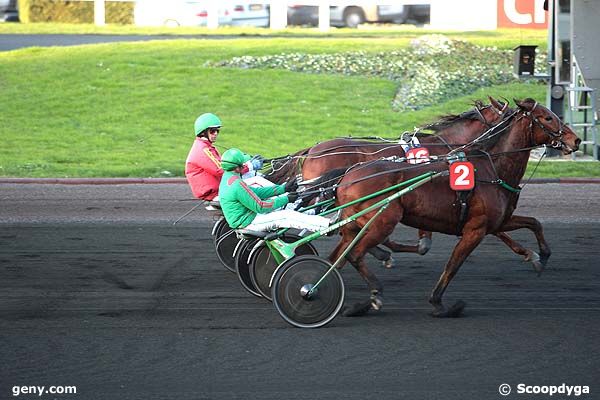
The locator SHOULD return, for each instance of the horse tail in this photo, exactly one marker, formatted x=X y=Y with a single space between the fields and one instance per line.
x=323 y=187
x=284 y=168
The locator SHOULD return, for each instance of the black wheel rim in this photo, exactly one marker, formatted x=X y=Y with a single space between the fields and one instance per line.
x=243 y=267
x=263 y=264
x=298 y=310
x=225 y=241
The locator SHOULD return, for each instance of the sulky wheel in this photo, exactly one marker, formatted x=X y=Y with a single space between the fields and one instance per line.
x=292 y=283
x=225 y=241
x=263 y=264
x=242 y=252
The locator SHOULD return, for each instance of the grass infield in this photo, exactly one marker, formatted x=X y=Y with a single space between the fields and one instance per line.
x=127 y=109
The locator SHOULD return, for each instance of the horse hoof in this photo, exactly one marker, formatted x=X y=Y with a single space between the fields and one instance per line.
x=453 y=312
x=439 y=313
x=424 y=246
x=389 y=263
x=544 y=258
x=532 y=256
x=538 y=267
x=357 y=310
x=536 y=261
x=376 y=303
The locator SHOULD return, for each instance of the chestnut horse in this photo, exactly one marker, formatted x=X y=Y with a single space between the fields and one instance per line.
x=449 y=132
x=501 y=154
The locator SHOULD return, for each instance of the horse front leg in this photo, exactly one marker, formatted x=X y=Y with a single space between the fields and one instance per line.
x=518 y=222
x=471 y=238
x=528 y=254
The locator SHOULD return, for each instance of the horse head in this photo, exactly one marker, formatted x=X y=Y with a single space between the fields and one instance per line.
x=547 y=128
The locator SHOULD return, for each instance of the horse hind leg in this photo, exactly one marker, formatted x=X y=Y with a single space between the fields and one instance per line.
x=424 y=242
x=382 y=255
x=528 y=255
x=421 y=248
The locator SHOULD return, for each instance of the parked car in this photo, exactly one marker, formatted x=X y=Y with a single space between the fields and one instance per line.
x=352 y=15
x=9 y=11
x=250 y=14
x=177 y=13
x=303 y=15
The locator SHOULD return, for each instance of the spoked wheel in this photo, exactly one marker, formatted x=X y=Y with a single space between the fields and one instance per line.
x=291 y=287
x=263 y=264
x=243 y=268
x=225 y=241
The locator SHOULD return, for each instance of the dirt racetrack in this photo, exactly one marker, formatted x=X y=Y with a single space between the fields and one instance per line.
x=100 y=291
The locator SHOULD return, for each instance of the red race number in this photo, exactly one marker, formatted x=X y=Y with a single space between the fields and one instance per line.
x=417 y=155
x=462 y=175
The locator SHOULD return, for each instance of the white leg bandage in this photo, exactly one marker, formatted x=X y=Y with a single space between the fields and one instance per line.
x=288 y=219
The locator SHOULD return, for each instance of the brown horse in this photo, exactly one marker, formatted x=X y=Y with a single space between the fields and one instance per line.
x=502 y=154
x=447 y=133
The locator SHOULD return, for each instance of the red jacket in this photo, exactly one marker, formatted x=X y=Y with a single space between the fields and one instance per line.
x=203 y=169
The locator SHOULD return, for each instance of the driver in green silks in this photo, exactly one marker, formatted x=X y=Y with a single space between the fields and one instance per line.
x=259 y=209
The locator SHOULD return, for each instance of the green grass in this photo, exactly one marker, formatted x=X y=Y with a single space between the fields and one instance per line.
x=127 y=109
x=564 y=169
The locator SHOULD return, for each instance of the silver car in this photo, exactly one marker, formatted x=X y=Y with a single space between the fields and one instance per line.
x=250 y=13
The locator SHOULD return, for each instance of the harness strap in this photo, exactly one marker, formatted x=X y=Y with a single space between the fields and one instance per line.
x=463 y=197
x=508 y=187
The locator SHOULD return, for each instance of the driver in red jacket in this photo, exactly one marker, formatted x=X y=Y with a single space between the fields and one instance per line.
x=203 y=165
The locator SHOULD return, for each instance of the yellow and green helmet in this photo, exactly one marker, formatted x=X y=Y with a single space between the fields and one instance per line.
x=205 y=121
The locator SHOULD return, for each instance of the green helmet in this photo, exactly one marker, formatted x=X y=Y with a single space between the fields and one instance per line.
x=232 y=159
x=204 y=121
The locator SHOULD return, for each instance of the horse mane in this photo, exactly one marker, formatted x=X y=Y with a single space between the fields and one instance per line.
x=284 y=168
x=496 y=132
x=446 y=121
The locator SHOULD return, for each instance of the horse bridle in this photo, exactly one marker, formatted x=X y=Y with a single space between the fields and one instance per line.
x=557 y=136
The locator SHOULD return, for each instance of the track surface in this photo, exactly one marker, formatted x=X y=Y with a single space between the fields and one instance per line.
x=17 y=41
x=99 y=290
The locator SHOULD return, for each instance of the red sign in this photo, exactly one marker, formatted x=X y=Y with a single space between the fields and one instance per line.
x=417 y=155
x=522 y=14
x=462 y=175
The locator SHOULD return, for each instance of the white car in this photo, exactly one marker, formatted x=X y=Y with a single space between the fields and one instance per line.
x=175 y=13
x=353 y=15
x=246 y=13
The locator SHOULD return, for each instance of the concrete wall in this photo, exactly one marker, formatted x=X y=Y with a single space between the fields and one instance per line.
x=585 y=44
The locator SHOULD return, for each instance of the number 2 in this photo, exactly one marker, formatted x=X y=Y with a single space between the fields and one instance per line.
x=462 y=180
x=462 y=175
